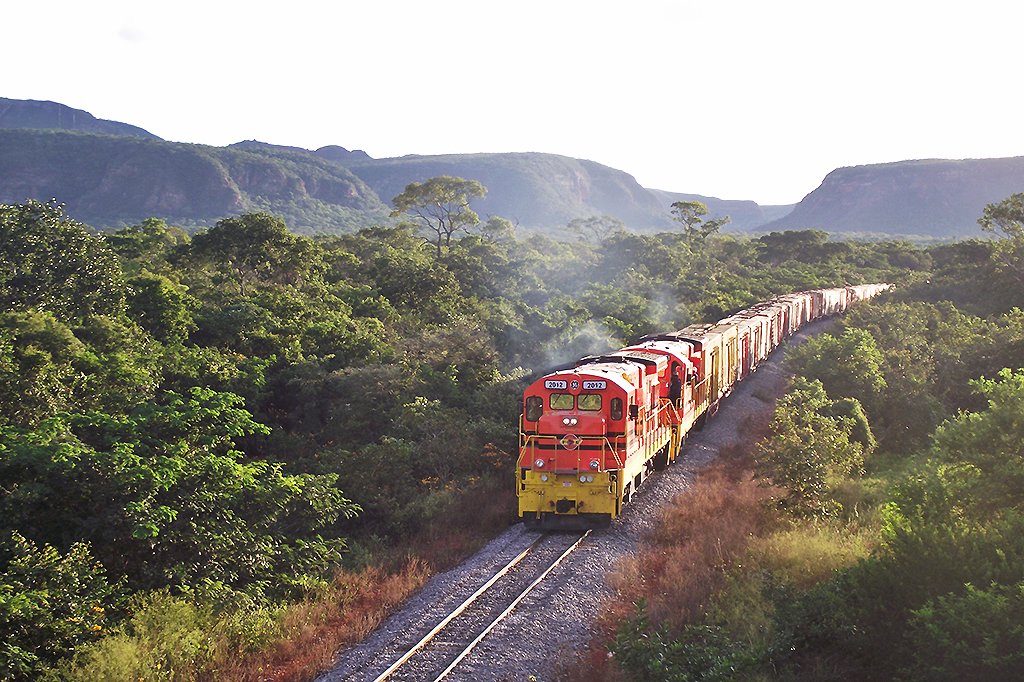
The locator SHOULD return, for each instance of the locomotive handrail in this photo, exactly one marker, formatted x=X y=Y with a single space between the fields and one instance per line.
x=667 y=406
x=528 y=442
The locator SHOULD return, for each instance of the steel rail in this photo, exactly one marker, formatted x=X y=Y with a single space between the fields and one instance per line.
x=511 y=607
x=458 y=611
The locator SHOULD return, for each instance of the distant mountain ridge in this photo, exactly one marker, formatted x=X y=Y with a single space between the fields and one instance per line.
x=108 y=181
x=932 y=197
x=744 y=215
x=110 y=174
x=36 y=114
x=532 y=189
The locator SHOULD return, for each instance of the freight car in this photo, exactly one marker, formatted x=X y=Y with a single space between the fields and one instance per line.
x=590 y=435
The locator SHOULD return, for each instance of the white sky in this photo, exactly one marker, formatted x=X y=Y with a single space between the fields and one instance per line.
x=738 y=99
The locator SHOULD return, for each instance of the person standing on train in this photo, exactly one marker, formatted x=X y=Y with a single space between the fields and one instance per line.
x=675 y=387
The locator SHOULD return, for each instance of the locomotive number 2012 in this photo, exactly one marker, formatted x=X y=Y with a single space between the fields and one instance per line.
x=595 y=385
x=555 y=384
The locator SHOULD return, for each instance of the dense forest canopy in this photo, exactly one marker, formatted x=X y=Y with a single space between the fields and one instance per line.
x=219 y=421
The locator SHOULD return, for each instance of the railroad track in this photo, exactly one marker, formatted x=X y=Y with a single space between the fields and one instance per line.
x=439 y=651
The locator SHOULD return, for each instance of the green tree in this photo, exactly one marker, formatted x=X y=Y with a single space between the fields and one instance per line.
x=849 y=365
x=690 y=214
x=51 y=262
x=991 y=440
x=976 y=635
x=147 y=245
x=778 y=247
x=39 y=367
x=165 y=497
x=161 y=307
x=257 y=248
x=806 y=451
x=1006 y=218
x=46 y=367
x=440 y=206
x=50 y=603
x=595 y=228
x=850 y=409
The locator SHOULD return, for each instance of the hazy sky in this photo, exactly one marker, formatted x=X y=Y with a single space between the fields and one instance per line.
x=734 y=99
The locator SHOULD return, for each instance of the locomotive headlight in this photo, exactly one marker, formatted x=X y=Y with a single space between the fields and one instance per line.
x=544 y=478
x=583 y=478
x=594 y=464
x=590 y=479
x=566 y=421
x=539 y=464
x=573 y=421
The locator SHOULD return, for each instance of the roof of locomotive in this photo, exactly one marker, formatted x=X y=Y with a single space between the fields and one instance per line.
x=679 y=351
x=618 y=373
x=653 y=362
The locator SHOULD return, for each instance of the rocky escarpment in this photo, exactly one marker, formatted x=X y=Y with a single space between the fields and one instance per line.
x=532 y=189
x=111 y=181
x=939 y=198
x=743 y=215
x=110 y=174
x=36 y=114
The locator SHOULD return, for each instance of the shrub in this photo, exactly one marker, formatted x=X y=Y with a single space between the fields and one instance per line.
x=166 y=639
x=50 y=603
x=807 y=451
x=971 y=636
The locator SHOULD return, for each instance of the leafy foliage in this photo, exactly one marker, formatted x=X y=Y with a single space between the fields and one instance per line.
x=178 y=504
x=807 y=449
x=440 y=206
x=50 y=603
x=50 y=262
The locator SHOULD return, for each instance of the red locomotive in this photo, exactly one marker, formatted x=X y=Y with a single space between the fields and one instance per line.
x=590 y=435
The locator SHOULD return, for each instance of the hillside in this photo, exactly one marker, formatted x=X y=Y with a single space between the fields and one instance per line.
x=532 y=189
x=120 y=174
x=744 y=216
x=934 y=198
x=108 y=181
x=34 y=114
x=111 y=174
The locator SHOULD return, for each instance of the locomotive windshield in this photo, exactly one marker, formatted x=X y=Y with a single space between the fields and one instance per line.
x=589 y=401
x=560 y=401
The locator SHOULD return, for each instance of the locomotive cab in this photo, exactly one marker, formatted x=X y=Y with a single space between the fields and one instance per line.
x=574 y=428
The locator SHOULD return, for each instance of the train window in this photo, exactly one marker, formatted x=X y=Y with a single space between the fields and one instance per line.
x=560 y=401
x=616 y=408
x=534 y=408
x=590 y=402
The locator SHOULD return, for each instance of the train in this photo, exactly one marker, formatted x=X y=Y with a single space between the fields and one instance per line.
x=591 y=434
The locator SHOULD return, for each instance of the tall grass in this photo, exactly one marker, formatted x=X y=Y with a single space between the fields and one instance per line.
x=683 y=563
x=719 y=557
